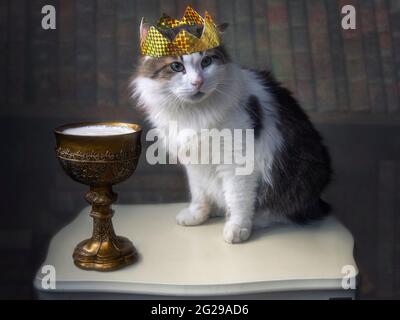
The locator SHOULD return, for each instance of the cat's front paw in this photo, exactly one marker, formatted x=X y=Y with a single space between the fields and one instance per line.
x=236 y=233
x=188 y=217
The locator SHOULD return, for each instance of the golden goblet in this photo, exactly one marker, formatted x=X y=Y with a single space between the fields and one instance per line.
x=100 y=155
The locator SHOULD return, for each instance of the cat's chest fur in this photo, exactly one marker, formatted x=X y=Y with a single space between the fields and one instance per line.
x=189 y=135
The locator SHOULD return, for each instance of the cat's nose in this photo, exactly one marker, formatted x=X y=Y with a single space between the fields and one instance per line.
x=197 y=83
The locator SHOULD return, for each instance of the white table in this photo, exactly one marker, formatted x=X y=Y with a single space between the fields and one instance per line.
x=194 y=262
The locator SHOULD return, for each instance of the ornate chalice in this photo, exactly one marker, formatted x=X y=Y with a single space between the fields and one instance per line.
x=100 y=155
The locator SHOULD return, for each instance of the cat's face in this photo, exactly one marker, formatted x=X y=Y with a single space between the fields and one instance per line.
x=189 y=78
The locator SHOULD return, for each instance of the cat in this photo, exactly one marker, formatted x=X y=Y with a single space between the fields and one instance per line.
x=206 y=90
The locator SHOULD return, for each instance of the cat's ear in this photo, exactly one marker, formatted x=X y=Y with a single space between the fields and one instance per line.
x=222 y=27
x=144 y=29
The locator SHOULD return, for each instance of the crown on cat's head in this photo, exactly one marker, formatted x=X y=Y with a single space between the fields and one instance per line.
x=153 y=43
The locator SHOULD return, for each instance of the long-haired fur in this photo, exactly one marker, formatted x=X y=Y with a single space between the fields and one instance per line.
x=292 y=165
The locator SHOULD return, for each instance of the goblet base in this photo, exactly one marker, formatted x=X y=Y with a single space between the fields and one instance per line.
x=107 y=255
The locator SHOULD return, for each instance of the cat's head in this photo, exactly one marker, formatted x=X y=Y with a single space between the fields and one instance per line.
x=189 y=78
x=185 y=79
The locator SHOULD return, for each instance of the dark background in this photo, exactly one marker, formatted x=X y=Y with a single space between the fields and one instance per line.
x=347 y=80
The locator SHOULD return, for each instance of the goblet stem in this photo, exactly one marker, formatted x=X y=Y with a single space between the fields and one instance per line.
x=101 y=199
x=105 y=250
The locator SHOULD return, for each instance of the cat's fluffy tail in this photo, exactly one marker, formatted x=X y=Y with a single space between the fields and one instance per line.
x=316 y=211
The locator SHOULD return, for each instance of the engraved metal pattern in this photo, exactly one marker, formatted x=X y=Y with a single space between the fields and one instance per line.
x=99 y=169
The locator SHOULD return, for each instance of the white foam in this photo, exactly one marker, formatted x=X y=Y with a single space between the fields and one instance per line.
x=98 y=130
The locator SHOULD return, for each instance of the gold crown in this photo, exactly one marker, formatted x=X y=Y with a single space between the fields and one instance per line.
x=153 y=43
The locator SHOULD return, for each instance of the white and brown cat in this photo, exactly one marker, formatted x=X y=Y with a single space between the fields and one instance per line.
x=206 y=90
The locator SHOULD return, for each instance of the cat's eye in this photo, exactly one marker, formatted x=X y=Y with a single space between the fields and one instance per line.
x=177 y=67
x=207 y=60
